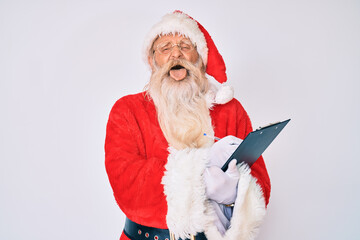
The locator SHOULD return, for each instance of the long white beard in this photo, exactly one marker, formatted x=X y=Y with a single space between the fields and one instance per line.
x=181 y=105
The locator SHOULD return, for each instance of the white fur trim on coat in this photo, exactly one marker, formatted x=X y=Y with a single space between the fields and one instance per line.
x=177 y=23
x=185 y=191
x=189 y=210
x=248 y=213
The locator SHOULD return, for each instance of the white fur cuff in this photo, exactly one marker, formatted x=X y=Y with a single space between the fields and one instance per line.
x=185 y=191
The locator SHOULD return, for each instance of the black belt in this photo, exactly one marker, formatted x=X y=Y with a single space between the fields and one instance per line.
x=136 y=231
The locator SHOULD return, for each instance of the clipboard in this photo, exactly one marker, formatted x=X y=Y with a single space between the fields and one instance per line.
x=255 y=144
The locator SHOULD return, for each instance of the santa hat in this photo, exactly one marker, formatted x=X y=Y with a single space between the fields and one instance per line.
x=179 y=22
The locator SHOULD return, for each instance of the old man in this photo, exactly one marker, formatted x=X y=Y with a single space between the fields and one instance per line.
x=165 y=173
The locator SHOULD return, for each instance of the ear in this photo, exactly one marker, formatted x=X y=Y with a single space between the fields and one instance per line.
x=150 y=61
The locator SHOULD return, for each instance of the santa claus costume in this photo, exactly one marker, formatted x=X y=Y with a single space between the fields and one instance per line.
x=161 y=187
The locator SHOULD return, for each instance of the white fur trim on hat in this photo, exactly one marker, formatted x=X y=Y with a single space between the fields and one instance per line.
x=224 y=94
x=173 y=23
x=218 y=93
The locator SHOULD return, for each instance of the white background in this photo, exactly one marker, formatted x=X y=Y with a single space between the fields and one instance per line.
x=64 y=63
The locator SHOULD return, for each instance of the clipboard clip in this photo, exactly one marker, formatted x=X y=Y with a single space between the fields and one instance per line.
x=267 y=125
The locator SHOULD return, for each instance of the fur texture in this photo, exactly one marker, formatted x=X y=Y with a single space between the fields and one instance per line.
x=248 y=213
x=185 y=191
x=224 y=94
x=189 y=211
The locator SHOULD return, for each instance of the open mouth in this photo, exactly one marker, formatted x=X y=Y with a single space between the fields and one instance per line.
x=177 y=67
x=178 y=72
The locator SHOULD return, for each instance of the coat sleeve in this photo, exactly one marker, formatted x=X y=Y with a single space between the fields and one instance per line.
x=134 y=176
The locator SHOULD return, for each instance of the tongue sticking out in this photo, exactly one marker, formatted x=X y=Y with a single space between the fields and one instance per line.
x=178 y=74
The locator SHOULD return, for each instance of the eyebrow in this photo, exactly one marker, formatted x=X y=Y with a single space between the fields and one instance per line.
x=182 y=40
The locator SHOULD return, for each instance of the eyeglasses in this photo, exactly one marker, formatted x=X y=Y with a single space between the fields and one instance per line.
x=166 y=48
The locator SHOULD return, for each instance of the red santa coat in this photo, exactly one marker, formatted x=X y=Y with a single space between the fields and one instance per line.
x=137 y=158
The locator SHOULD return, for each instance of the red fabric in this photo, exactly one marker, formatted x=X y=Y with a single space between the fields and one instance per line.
x=215 y=64
x=124 y=237
x=136 y=153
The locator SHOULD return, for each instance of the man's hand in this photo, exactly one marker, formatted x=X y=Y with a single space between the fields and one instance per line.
x=222 y=186
x=222 y=150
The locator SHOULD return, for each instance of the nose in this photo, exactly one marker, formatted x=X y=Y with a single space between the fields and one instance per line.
x=176 y=53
